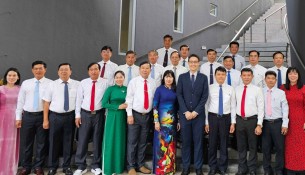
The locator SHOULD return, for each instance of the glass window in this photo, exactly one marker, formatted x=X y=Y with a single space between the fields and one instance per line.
x=213 y=9
x=178 y=16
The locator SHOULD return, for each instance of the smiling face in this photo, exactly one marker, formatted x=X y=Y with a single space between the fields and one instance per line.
x=152 y=57
x=106 y=54
x=94 y=72
x=145 y=70
x=253 y=58
x=278 y=60
x=193 y=64
x=246 y=77
x=220 y=77
x=228 y=63
x=293 y=76
x=130 y=59
x=39 y=71
x=12 y=77
x=119 y=79
x=234 y=49
x=64 y=72
x=175 y=58
x=270 y=81
x=168 y=80
x=211 y=56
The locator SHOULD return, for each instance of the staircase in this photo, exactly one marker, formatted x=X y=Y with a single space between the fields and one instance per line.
x=276 y=39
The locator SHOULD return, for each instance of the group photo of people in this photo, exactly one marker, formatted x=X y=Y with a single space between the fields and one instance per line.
x=172 y=96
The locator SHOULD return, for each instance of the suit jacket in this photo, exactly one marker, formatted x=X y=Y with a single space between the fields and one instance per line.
x=192 y=98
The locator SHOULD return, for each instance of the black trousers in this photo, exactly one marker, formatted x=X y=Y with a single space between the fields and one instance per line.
x=219 y=133
x=92 y=124
x=61 y=126
x=31 y=129
x=137 y=140
x=272 y=136
x=246 y=138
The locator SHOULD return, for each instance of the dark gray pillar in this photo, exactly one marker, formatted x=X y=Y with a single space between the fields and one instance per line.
x=296 y=25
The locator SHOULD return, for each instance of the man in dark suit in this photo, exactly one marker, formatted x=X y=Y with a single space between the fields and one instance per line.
x=192 y=93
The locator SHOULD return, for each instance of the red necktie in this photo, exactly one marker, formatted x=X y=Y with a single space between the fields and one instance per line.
x=243 y=101
x=103 y=70
x=92 y=96
x=146 y=102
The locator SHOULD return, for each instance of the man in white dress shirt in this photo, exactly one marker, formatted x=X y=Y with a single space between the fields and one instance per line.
x=275 y=124
x=209 y=67
x=140 y=93
x=108 y=67
x=250 y=114
x=59 y=115
x=237 y=59
x=258 y=70
x=175 y=67
x=233 y=76
x=184 y=53
x=29 y=117
x=130 y=69
x=278 y=60
x=156 y=69
x=165 y=52
x=89 y=119
x=221 y=106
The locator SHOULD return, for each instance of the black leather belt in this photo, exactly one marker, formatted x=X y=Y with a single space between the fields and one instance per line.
x=64 y=113
x=217 y=115
x=34 y=113
x=247 y=118
x=273 y=120
x=92 y=112
x=140 y=113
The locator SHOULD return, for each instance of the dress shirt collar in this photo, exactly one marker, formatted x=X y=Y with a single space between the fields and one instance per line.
x=41 y=80
x=98 y=80
x=130 y=66
x=266 y=89
x=211 y=63
x=278 y=67
x=61 y=81
x=106 y=61
x=186 y=59
x=143 y=79
x=193 y=73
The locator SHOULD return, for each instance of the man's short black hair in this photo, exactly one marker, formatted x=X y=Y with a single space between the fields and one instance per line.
x=130 y=52
x=234 y=42
x=254 y=51
x=227 y=57
x=194 y=55
x=184 y=45
x=93 y=63
x=39 y=62
x=64 y=64
x=106 y=48
x=220 y=69
x=246 y=70
x=278 y=52
x=270 y=72
x=211 y=50
x=144 y=62
x=168 y=36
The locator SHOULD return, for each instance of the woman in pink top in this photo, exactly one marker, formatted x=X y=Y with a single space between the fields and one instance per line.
x=9 y=134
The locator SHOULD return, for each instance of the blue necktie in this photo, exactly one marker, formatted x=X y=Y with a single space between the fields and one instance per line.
x=152 y=71
x=193 y=80
x=279 y=78
x=36 y=96
x=66 y=98
x=211 y=74
x=129 y=74
x=229 y=78
x=233 y=58
x=220 y=106
x=183 y=63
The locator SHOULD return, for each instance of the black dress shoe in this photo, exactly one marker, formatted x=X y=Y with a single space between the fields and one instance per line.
x=185 y=172
x=68 y=171
x=240 y=173
x=252 y=173
x=52 y=172
x=199 y=172
x=223 y=173
x=212 y=172
x=24 y=171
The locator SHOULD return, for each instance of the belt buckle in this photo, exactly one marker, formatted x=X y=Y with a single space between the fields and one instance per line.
x=93 y=112
x=244 y=118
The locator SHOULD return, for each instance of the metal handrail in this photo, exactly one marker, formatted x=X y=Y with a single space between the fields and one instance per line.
x=237 y=34
x=265 y=19
x=291 y=43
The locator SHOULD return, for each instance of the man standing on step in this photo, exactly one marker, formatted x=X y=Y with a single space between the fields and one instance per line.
x=89 y=119
x=192 y=94
x=108 y=67
x=165 y=52
x=140 y=94
x=221 y=106
x=250 y=114
x=239 y=61
x=184 y=53
x=29 y=117
x=130 y=69
x=233 y=76
x=175 y=67
x=258 y=70
x=209 y=67
x=278 y=68
x=275 y=124
x=156 y=71
x=59 y=116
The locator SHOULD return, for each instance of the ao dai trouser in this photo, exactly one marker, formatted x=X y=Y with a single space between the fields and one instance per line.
x=32 y=129
x=91 y=124
x=62 y=126
x=136 y=140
